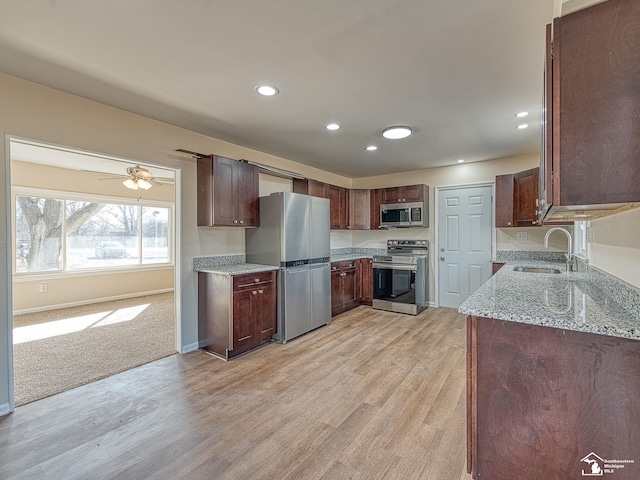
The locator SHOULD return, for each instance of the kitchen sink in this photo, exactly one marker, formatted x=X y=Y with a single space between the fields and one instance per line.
x=536 y=270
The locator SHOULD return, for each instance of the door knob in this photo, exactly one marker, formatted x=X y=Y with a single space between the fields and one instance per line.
x=442 y=249
x=442 y=258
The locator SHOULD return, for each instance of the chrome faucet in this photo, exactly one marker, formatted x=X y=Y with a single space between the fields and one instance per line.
x=569 y=254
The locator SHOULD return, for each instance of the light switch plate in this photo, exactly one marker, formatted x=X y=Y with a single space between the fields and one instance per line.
x=522 y=235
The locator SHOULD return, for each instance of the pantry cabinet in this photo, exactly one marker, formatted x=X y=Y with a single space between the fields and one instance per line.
x=227 y=193
x=591 y=154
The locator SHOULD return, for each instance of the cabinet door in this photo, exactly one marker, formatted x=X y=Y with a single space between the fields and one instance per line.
x=336 y=289
x=366 y=280
x=545 y=190
x=413 y=193
x=359 y=209
x=264 y=312
x=525 y=192
x=247 y=195
x=375 y=201
x=504 y=201
x=308 y=186
x=392 y=195
x=205 y=191
x=350 y=291
x=338 y=206
x=224 y=203
x=244 y=326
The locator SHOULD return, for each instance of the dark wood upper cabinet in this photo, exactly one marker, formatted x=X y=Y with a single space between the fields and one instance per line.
x=359 y=209
x=228 y=192
x=308 y=186
x=339 y=207
x=406 y=193
x=504 y=201
x=375 y=199
x=515 y=202
x=595 y=106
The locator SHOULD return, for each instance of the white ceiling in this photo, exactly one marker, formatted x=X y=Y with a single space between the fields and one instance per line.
x=455 y=70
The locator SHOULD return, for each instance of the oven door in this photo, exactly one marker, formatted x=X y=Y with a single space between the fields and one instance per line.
x=394 y=283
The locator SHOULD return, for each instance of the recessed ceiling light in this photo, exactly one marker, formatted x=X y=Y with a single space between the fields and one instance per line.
x=461 y=161
x=396 y=133
x=522 y=127
x=371 y=148
x=267 y=90
x=522 y=114
x=332 y=126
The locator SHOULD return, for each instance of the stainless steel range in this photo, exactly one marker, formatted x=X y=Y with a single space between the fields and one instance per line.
x=400 y=277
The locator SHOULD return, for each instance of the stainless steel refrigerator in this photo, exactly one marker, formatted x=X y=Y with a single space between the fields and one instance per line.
x=294 y=234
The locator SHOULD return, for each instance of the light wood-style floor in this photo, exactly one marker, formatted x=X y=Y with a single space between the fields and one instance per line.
x=373 y=395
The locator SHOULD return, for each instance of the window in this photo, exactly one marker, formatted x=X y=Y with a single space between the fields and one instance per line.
x=68 y=234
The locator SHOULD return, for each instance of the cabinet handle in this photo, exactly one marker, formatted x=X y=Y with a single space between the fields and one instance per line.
x=260 y=291
x=508 y=223
x=254 y=292
x=257 y=280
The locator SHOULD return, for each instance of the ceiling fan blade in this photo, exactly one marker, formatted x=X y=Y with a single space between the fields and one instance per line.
x=114 y=178
x=164 y=179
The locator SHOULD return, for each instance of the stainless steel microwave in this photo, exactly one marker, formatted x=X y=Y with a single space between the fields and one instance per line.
x=414 y=214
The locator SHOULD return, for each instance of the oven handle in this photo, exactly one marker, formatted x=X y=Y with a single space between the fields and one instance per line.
x=388 y=266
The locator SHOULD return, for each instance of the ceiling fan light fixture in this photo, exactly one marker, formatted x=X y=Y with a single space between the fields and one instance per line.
x=396 y=132
x=143 y=184
x=130 y=183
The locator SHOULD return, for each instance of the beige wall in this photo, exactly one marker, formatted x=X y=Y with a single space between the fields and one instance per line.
x=614 y=245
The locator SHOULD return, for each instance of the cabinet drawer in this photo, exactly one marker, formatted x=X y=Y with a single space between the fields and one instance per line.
x=251 y=280
x=343 y=266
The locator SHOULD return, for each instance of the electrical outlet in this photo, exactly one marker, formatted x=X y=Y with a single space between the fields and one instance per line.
x=522 y=235
x=43 y=287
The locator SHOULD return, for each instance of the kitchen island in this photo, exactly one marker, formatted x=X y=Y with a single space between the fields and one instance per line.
x=553 y=375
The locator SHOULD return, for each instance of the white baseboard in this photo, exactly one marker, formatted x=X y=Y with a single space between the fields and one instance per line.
x=192 y=347
x=87 y=302
x=4 y=409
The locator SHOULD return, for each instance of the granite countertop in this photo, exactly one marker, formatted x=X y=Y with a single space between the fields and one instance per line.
x=569 y=300
x=349 y=256
x=236 y=269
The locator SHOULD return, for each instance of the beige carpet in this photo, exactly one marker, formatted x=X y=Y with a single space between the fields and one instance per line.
x=62 y=349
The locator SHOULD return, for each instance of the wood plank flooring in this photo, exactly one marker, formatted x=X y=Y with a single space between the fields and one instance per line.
x=373 y=395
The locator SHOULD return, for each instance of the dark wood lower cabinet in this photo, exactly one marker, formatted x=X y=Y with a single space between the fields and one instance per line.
x=345 y=293
x=495 y=266
x=365 y=274
x=542 y=401
x=236 y=313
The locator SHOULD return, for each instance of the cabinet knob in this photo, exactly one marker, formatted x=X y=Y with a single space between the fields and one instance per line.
x=235 y=221
x=241 y=221
x=257 y=280
x=254 y=292
x=508 y=223
x=260 y=291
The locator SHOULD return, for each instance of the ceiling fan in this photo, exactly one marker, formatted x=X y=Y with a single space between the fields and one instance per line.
x=140 y=178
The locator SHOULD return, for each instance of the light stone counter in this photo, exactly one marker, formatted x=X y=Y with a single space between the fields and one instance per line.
x=236 y=269
x=584 y=301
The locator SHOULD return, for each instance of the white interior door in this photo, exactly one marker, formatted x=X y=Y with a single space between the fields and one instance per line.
x=464 y=242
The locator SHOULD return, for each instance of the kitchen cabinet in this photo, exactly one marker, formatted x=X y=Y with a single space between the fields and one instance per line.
x=541 y=399
x=516 y=194
x=228 y=192
x=338 y=199
x=236 y=313
x=365 y=280
x=406 y=193
x=495 y=266
x=344 y=286
x=375 y=199
x=339 y=207
x=359 y=209
x=591 y=154
x=311 y=187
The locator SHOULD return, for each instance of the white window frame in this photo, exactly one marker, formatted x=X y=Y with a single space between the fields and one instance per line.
x=18 y=191
x=580 y=238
